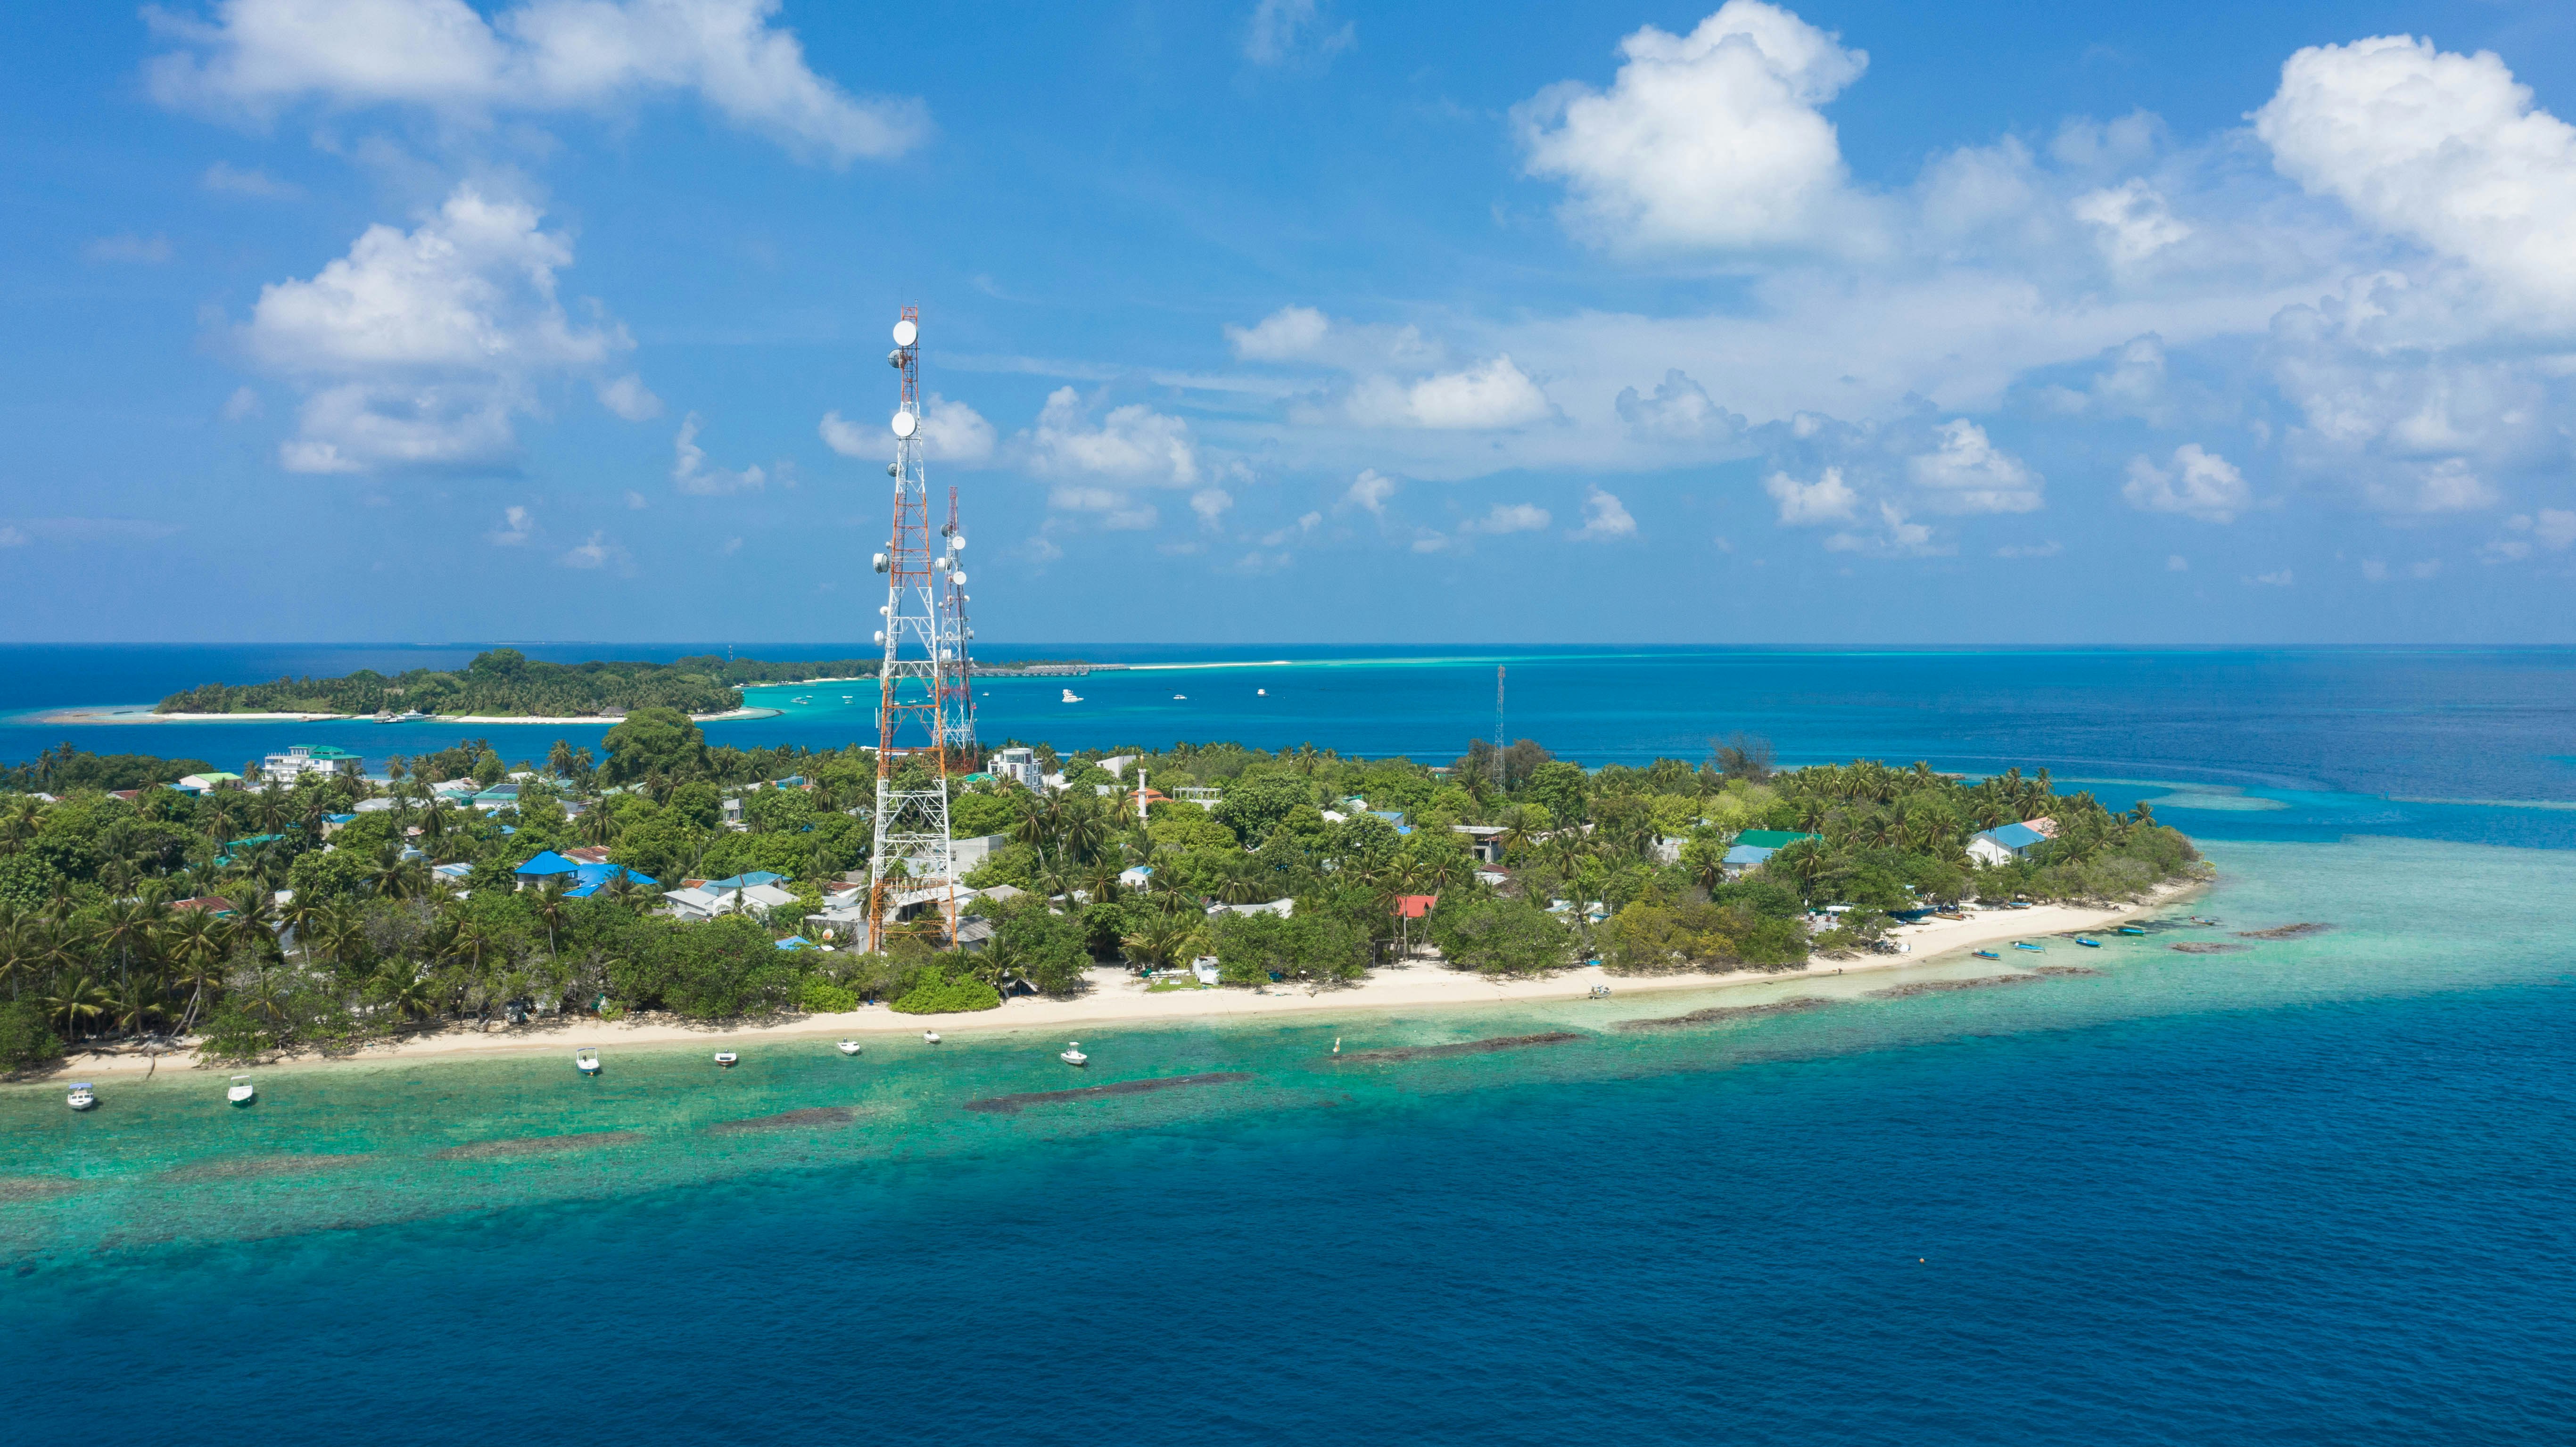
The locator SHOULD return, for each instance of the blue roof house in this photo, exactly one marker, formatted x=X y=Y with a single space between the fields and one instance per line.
x=1999 y=846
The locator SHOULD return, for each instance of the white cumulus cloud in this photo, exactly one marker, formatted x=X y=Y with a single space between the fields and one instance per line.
x=1492 y=395
x=1710 y=140
x=2133 y=220
x=1285 y=335
x=257 y=58
x=517 y=525
x=1604 y=517
x=1286 y=30
x=421 y=344
x=950 y=432
x=1134 y=443
x=1370 y=490
x=629 y=398
x=1967 y=473
x=1803 y=504
x=2199 y=484
x=1509 y=517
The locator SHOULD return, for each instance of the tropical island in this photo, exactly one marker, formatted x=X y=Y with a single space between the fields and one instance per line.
x=666 y=877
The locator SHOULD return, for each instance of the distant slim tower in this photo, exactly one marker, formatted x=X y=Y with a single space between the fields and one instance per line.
x=957 y=702
x=913 y=695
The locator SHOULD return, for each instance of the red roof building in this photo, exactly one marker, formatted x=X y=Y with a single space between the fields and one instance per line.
x=1415 y=906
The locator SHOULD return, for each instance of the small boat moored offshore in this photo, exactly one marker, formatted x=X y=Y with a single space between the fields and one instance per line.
x=2130 y=929
x=1987 y=955
x=849 y=1047
x=929 y=1037
x=82 y=1097
x=586 y=1060
x=2088 y=944
x=1072 y=697
x=2027 y=945
x=240 y=1091
x=726 y=1058
x=1072 y=1054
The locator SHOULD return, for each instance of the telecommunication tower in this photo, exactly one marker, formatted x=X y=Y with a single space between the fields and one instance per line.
x=914 y=695
x=957 y=699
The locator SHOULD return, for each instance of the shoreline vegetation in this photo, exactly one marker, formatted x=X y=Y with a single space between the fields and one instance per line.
x=342 y=917
x=503 y=685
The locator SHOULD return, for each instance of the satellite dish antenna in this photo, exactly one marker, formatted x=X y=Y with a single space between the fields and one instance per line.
x=905 y=333
x=904 y=423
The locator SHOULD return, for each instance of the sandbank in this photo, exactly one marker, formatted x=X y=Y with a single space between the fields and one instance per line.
x=1117 y=997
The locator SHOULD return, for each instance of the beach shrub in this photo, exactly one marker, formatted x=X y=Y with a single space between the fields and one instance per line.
x=822 y=997
x=27 y=1042
x=1501 y=936
x=936 y=992
x=1652 y=937
x=1251 y=949
x=231 y=1036
x=717 y=969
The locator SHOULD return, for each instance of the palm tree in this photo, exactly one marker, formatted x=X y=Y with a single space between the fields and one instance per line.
x=551 y=908
x=596 y=826
x=79 y=1004
x=136 y=1004
x=407 y=988
x=392 y=876
x=127 y=926
x=18 y=827
x=25 y=950
x=196 y=946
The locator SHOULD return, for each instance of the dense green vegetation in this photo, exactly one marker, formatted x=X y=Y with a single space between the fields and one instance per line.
x=505 y=683
x=100 y=936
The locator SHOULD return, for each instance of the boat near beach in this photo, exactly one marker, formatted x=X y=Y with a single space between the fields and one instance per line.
x=929 y=1037
x=1072 y=697
x=2130 y=929
x=726 y=1058
x=1986 y=954
x=849 y=1047
x=2027 y=945
x=586 y=1060
x=1072 y=1054
x=2088 y=944
x=82 y=1097
x=240 y=1091
x=1949 y=914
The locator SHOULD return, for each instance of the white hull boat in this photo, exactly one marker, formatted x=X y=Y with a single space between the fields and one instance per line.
x=1072 y=1055
x=586 y=1061
x=726 y=1058
x=1072 y=697
x=849 y=1047
x=929 y=1037
x=82 y=1097
x=240 y=1091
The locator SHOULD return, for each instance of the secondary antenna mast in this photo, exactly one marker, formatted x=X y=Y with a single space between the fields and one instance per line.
x=957 y=697
x=913 y=692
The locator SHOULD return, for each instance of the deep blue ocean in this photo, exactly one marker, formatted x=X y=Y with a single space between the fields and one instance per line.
x=2318 y=1191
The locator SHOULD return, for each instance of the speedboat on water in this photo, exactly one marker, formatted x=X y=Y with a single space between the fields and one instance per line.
x=2088 y=944
x=726 y=1058
x=849 y=1047
x=1072 y=1054
x=1072 y=697
x=1987 y=955
x=240 y=1091
x=82 y=1097
x=1180 y=698
x=2027 y=945
x=2130 y=929
x=929 y=1037
x=586 y=1060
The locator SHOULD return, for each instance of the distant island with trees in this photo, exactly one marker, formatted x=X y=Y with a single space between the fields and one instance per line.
x=345 y=909
x=505 y=683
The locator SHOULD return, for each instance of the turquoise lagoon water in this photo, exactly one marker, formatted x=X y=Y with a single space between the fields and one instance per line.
x=2311 y=1190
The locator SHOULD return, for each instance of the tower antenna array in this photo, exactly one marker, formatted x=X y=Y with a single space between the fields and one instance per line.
x=913 y=690
x=957 y=695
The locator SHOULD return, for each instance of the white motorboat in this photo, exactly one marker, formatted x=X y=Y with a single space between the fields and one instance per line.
x=1072 y=697
x=240 y=1091
x=586 y=1060
x=929 y=1037
x=1261 y=693
x=726 y=1058
x=1072 y=1054
x=849 y=1047
x=82 y=1097
x=1180 y=698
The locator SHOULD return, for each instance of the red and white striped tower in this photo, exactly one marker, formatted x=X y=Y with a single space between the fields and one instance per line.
x=912 y=681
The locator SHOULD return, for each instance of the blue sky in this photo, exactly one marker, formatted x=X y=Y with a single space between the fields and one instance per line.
x=566 y=319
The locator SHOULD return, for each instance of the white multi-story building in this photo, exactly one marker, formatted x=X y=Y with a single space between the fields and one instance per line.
x=1020 y=766
x=302 y=759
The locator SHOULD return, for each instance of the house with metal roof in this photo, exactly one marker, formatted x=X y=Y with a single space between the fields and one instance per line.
x=2011 y=842
x=1755 y=847
x=302 y=759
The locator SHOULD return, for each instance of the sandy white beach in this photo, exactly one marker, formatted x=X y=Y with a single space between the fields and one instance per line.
x=1118 y=997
